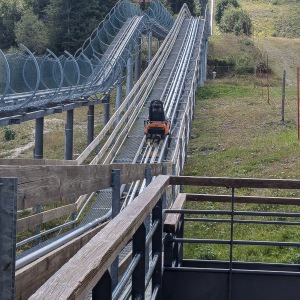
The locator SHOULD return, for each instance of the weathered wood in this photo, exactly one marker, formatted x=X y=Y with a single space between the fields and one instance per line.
x=171 y=222
x=236 y=182
x=45 y=216
x=81 y=273
x=243 y=199
x=33 y=162
x=34 y=275
x=39 y=185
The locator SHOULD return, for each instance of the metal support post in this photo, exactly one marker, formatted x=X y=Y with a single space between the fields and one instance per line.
x=157 y=248
x=118 y=100
x=38 y=209
x=129 y=71
x=137 y=67
x=164 y=197
x=8 y=220
x=283 y=96
x=102 y=289
x=139 y=273
x=116 y=186
x=106 y=110
x=180 y=160
x=39 y=138
x=205 y=60
x=148 y=177
x=173 y=186
x=90 y=123
x=179 y=248
x=149 y=46
x=69 y=135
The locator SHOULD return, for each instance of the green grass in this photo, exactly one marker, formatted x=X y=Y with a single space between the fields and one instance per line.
x=236 y=133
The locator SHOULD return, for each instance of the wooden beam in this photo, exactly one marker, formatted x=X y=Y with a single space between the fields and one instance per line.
x=30 y=162
x=242 y=199
x=45 y=216
x=171 y=222
x=39 y=185
x=34 y=275
x=82 y=272
x=236 y=182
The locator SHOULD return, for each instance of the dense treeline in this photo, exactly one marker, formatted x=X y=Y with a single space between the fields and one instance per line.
x=59 y=24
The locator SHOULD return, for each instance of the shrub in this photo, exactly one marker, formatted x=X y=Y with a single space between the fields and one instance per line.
x=9 y=133
x=236 y=20
x=222 y=5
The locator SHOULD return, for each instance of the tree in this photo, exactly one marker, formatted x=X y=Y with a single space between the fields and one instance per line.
x=222 y=6
x=32 y=32
x=72 y=22
x=10 y=12
x=236 y=20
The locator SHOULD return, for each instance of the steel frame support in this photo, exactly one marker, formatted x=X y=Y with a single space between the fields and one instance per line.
x=137 y=66
x=106 y=110
x=90 y=123
x=39 y=138
x=8 y=221
x=69 y=135
x=116 y=186
x=149 y=46
x=118 y=100
x=129 y=77
x=157 y=248
x=148 y=177
x=102 y=290
x=139 y=273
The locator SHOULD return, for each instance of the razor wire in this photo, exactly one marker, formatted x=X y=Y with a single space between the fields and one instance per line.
x=28 y=81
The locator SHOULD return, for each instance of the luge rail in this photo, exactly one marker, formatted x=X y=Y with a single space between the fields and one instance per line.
x=88 y=268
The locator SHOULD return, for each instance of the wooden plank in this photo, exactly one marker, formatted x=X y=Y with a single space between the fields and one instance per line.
x=171 y=222
x=45 y=216
x=34 y=275
x=243 y=199
x=39 y=185
x=236 y=182
x=81 y=273
x=30 y=162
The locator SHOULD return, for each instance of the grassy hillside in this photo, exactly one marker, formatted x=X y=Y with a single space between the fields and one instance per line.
x=238 y=131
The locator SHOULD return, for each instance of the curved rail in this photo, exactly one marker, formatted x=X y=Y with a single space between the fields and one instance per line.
x=95 y=68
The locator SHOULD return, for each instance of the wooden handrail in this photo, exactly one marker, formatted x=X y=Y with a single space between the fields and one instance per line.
x=236 y=182
x=82 y=272
x=171 y=222
x=39 y=185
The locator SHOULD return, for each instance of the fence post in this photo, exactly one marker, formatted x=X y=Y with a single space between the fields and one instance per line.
x=116 y=186
x=8 y=220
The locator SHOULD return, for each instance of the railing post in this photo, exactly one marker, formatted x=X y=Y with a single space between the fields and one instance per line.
x=139 y=273
x=116 y=185
x=157 y=248
x=8 y=220
x=148 y=177
x=102 y=289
